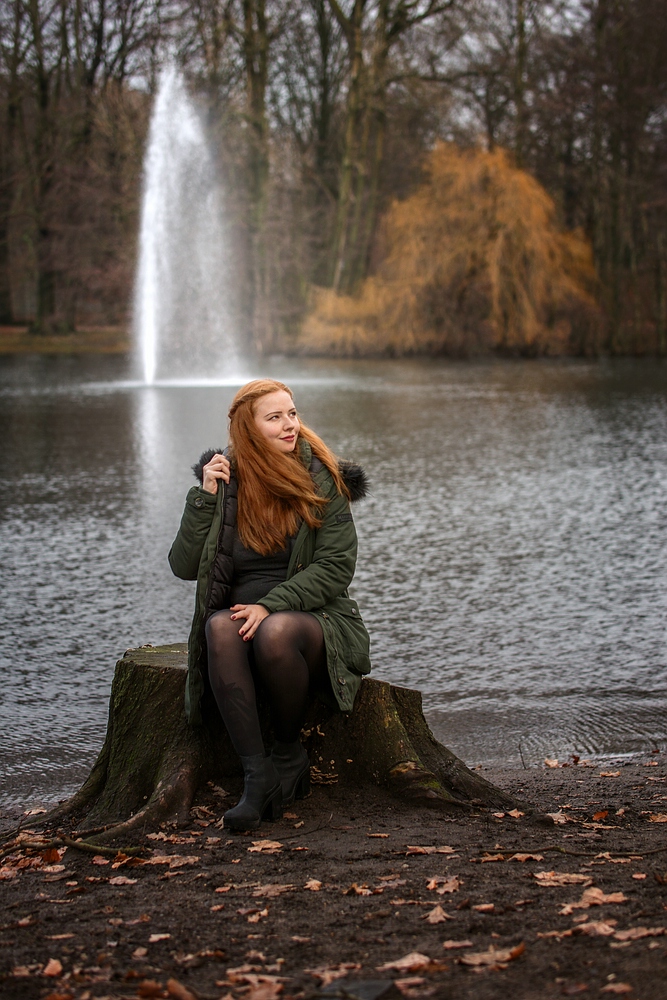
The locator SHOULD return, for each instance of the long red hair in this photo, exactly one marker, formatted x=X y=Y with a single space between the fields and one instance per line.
x=275 y=490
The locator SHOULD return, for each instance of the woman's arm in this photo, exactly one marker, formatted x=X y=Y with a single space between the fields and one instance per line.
x=331 y=570
x=186 y=551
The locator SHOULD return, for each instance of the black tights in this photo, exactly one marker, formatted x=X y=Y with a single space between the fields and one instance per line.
x=288 y=656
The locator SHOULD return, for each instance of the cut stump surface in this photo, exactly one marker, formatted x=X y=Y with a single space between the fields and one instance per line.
x=152 y=762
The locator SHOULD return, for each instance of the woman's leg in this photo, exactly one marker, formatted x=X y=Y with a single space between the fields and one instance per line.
x=232 y=683
x=234 y=690
x=290 y=658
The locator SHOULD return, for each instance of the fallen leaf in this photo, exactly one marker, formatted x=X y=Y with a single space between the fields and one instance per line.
x=409 y=984
x=173 y=860
x=526 y=857
x=484 y=908
x=414 y=962
x=639 y=876
x=515 y=813
x=413 y=849
x=498 y=815
x=158 y=937
x=299 y=939
x=265 y=847
x=437 y=915
x=53 y=869
x=53 y=967
x=255 y=918
x=560 y=818
x=600 y=815
x=592 y=897
x=493 y=958
x=271 y=890
x=358 y=890
x=636 y=933
x=327 y=974
x=178 y=991
x=492 y=857
x=561 y=878
x=140 y=952
x=379 y=836
x=600 y=928
x=555 y=934
x=149 y=988
x=26 y=922
x=610 y=774
x=263 y=991
x=100 y=860
x=441 y=884
x=658 y=818
x=52 y=855
x=223 y=888
x=217 y=908
x=313 y=884
x=550 y=762
x=616 y=988
x=574 y=989
x=456 y=944
x=122 y=880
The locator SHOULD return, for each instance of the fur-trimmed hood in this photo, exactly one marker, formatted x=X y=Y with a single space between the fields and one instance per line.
x=353 y=475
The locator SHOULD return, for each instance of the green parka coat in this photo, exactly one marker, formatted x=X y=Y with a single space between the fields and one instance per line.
x=320 y=569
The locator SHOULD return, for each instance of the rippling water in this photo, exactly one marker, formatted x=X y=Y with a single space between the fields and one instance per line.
x=512 y=556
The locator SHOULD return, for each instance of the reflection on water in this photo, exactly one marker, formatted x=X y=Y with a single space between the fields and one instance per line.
x=512 y=553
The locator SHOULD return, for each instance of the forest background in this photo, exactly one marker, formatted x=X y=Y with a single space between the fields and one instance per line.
x=401 y=176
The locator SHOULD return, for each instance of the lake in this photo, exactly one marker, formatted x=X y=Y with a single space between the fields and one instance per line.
x=512 y=554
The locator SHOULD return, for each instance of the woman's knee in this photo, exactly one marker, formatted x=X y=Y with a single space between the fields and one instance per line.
x=276 y=636
x=220 y=626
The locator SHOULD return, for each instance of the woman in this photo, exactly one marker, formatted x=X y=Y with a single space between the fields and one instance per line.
x=269 y=538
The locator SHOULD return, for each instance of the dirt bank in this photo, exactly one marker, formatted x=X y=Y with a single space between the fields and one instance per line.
x=346 y=892
x=92 y=340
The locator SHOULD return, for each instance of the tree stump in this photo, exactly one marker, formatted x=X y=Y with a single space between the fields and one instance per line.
x=152 y=762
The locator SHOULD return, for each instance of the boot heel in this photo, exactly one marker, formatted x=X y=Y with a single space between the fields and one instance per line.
x=274 y=807
x=303 y=785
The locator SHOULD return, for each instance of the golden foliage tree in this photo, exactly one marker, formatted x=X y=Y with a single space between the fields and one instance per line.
x=472 y=261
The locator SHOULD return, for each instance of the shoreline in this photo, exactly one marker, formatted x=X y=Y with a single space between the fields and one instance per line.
x=345 y=895
x=118 y=340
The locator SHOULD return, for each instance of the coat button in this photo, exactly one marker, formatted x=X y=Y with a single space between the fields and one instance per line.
x=341 y=680
x=199 y=501
x=324 y=614
x=354 y=611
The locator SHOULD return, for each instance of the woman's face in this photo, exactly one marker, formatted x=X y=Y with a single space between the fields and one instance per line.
x=276 y=420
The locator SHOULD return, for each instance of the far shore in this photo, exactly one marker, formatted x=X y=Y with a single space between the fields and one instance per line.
x=118 y=340
x=86 y=340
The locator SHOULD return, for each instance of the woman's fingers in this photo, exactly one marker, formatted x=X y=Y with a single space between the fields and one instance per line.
x=254 y=615
x=217 y=468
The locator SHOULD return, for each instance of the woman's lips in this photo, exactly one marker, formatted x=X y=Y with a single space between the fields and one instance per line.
x=288 y=437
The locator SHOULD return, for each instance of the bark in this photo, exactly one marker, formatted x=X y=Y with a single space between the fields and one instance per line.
x=152 y=762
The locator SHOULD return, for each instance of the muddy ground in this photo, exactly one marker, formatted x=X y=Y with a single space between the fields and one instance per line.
x=344 y=887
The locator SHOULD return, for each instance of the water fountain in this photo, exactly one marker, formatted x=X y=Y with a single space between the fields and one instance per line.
x=183 y=314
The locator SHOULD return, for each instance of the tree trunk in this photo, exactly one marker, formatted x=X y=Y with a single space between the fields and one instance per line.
x=152 y=762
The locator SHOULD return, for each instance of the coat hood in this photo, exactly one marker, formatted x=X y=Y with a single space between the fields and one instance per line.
x=353 y=475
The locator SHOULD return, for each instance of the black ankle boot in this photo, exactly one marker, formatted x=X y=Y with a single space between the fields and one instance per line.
x=293 y=766
x=262 y=795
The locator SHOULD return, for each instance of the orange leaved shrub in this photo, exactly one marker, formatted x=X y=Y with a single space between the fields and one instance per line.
x=473 y=261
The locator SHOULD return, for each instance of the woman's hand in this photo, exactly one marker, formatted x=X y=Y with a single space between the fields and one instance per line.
x=253 y=614
x=217 y=468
